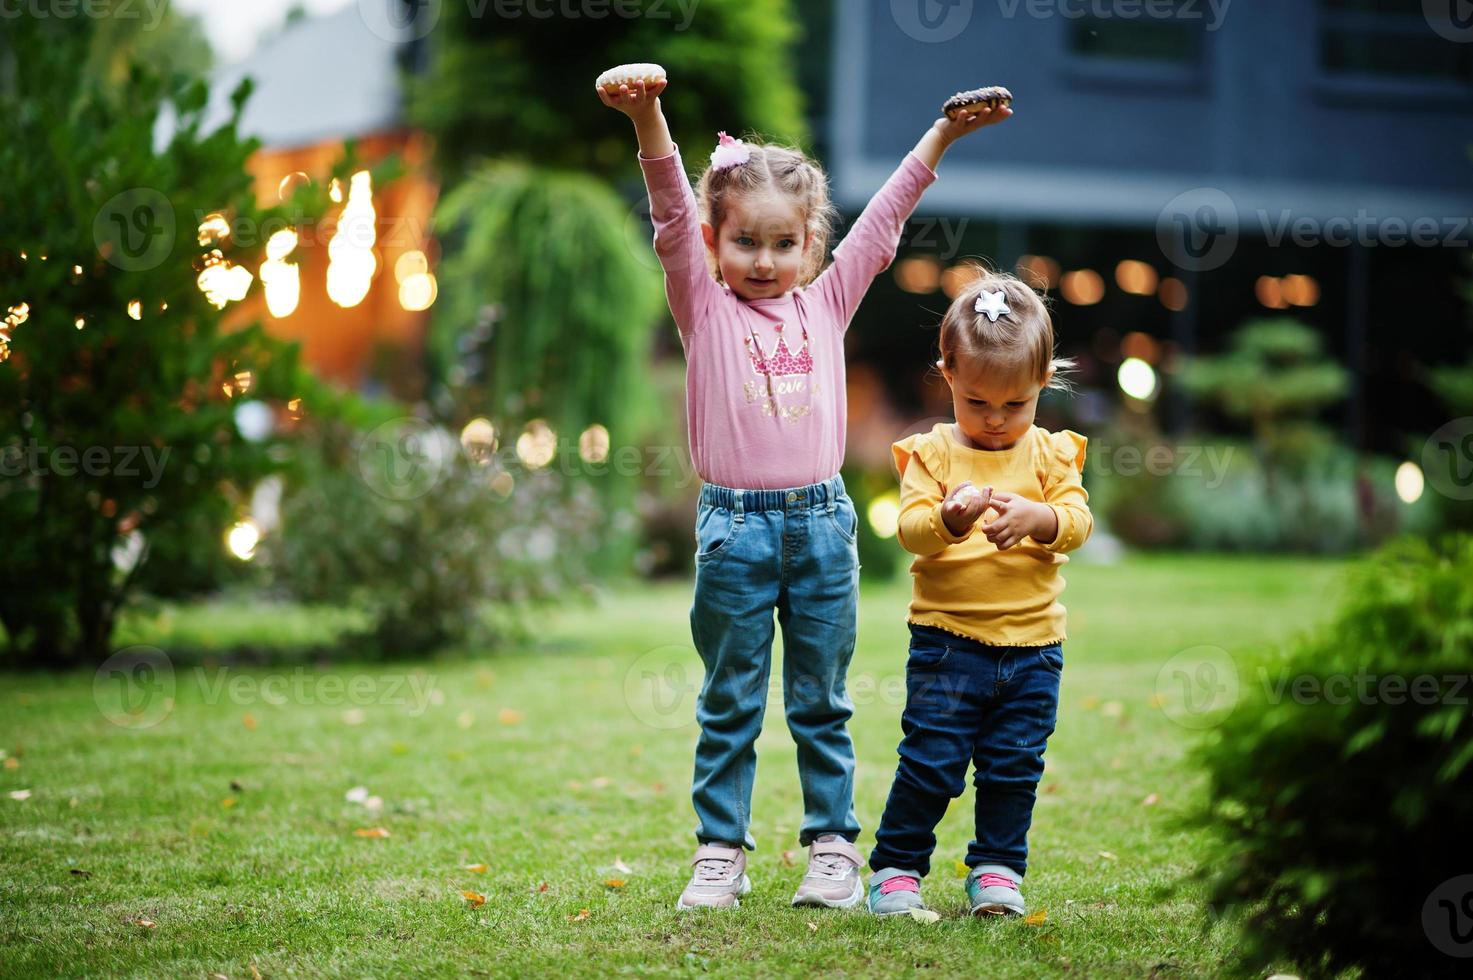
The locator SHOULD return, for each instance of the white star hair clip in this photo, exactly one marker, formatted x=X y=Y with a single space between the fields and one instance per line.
x=994 y=304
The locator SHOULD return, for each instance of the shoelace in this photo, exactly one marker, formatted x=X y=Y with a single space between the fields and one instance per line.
x=713 y=869
x=899 y=883
x=989 y=880
x=830 y=865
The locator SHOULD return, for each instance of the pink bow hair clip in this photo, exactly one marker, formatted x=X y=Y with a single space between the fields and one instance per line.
x=729 y=152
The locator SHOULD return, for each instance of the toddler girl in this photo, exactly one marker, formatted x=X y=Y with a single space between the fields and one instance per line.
x=763 y=333
x=986 y=627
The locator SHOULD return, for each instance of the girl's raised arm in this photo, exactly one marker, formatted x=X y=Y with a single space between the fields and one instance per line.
x=869 y=247
x=679 y=245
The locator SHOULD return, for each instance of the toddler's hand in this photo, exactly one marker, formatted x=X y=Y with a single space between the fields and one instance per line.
x=963 y=506
x=1018 y=517
x=635 y=101
x=970 y=122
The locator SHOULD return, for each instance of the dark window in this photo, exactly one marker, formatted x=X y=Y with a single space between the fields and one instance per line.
x=1174 y=39
x=1390 y=39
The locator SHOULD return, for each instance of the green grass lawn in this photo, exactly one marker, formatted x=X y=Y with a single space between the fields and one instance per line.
x=227 y=827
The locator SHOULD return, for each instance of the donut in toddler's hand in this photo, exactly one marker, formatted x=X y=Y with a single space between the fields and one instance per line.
x=977 y=99
x=630 y=75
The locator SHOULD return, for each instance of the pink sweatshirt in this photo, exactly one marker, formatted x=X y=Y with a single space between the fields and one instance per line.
x=764 y=391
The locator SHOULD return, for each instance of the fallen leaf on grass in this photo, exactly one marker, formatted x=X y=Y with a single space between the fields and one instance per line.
x=619 y=865
x=510 y=716
x=474 y=899
x=1036 y=918
x=788 y=859
x=614 y=883
x=479 y=869
x=227 y=803
x=12 y=763
x=542 y=888
x=960 y=868
x=925 y=915
x=1050 y=787
x=216 y=976
x=255 y=973
x=1109 y=856
x=1151 y=800
x=20 y=794
x=812 y=926
x=248 y=720
x=80 y=873
x=371 y=832
x=145 y=923
x=1089 y=703
x=580 y=917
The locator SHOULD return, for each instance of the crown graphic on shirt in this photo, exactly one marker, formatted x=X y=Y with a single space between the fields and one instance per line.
x=781 y=361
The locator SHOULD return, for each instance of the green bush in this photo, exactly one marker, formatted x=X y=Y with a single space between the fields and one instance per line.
x=449 y=559
x=1343 y=806
x=114 y=354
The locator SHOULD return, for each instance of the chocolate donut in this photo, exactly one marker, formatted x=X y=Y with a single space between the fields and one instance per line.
x=990 y=97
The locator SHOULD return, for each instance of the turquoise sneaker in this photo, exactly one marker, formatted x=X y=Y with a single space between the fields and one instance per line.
x=894 y=892
x=992 y=889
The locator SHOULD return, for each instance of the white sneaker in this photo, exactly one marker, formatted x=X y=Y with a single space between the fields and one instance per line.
x=719 y=879
x=832 y=880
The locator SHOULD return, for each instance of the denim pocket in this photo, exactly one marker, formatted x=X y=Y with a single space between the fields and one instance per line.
x=716 y=528
x=926 y=654
x=845 y=519
x=1052 y=658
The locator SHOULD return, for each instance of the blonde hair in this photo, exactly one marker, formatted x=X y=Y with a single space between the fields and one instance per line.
x=1019 y=345
x=777 y=169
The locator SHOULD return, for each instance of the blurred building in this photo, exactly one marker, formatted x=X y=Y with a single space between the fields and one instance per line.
x=319 y=83
x=1174 y=169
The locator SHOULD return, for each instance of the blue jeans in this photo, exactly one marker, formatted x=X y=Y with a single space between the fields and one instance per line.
x=993 y=706
x=794 y=551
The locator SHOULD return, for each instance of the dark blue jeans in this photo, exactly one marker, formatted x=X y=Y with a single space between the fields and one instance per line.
x=966 y=702
x=793 y=552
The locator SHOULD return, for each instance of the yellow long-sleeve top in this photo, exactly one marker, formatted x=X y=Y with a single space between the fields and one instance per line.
x=965 y=585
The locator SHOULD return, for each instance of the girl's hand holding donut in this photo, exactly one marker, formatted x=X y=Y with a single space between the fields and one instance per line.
x=952 y=129
x=632 y=89
x=963 y=506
